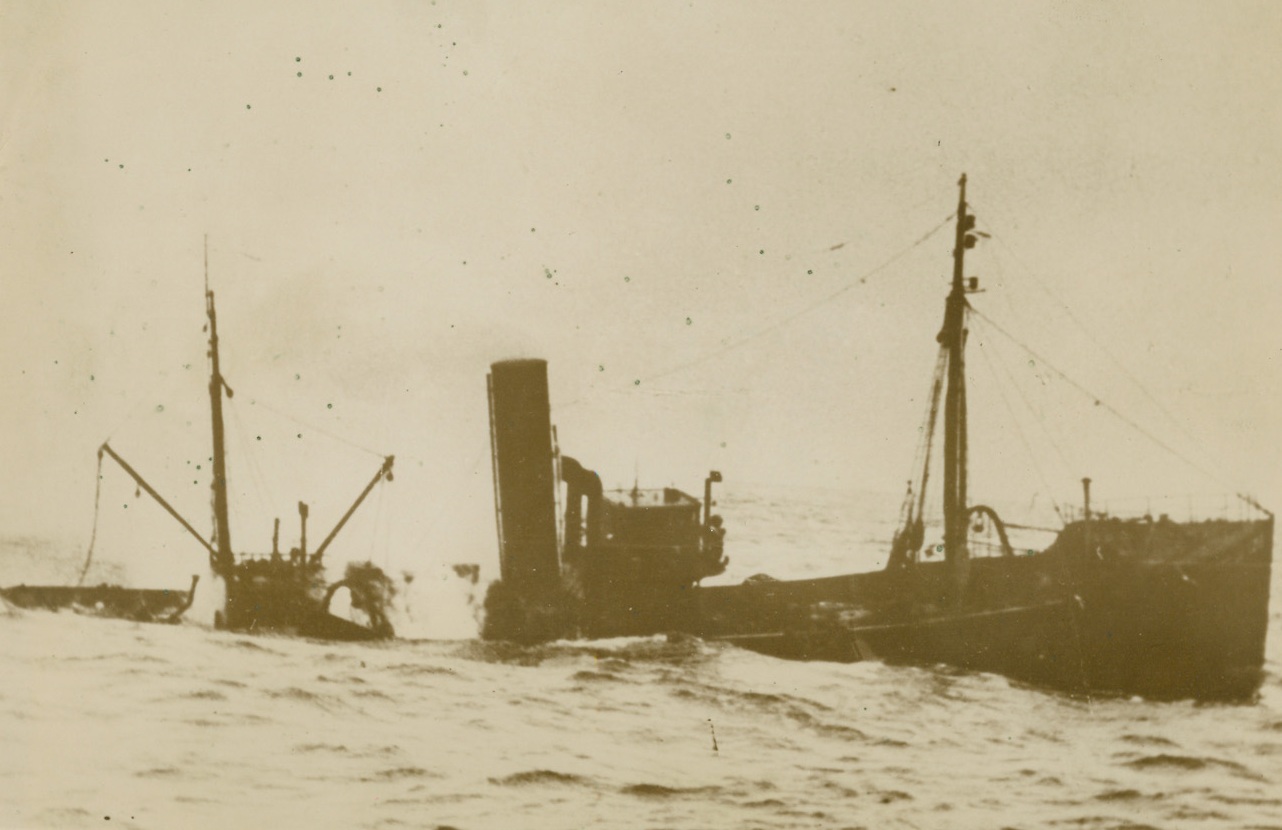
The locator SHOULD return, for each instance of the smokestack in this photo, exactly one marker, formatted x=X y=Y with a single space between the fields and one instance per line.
x=302 y=521
x=524 y=484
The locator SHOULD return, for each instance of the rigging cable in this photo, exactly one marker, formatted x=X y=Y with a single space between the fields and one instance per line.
x=261 y=488
x=854 y=283
x=937 y=386
x=93 y=534
x=988 y=359
x=914 y=499
x=1099 y=342
x=923 y=440
x=907 y=542
x=1038 y=415
x=1098 y=401
x=313 y=427
x=378 y=523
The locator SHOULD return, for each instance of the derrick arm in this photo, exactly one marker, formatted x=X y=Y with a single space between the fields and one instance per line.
x=384 y=471
x=124 y=465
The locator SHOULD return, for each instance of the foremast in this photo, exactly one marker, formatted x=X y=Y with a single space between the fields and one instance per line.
x=221 y=559
x=953 y=340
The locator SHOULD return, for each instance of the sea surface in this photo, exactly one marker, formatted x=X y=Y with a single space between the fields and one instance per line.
x=109 y=723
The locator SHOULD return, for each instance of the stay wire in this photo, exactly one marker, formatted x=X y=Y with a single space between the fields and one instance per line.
x=93 y=534
x=1039 y=417
x=919 y=472
x=1023 y=437
x=265 y=493
x=1094 y=338
x=777 y=324
x=314 y=428
x=1099 y=401
x=374 y=546
x=936 y=389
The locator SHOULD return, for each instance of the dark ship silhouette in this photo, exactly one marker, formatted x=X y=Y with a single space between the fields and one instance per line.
x=277 y=592
x=1161 y=609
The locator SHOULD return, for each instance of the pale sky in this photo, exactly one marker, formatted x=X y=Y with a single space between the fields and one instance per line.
x=649 y=192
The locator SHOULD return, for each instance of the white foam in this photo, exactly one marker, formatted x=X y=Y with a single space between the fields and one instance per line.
x=437 y=604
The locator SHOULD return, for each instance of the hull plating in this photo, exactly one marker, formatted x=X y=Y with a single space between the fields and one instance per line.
x=1158 y=609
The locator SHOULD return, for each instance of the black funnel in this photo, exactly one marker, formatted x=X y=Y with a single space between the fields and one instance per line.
x=524 y=480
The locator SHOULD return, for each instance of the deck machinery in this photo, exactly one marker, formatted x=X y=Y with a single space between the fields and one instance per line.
x=624 y=562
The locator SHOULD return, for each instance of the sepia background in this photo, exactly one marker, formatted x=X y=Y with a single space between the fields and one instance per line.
x=635 y=192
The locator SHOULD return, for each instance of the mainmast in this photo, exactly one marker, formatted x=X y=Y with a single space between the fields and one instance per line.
x=222 y=559
x=953 y=338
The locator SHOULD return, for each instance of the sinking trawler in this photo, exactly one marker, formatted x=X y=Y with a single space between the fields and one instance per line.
x=1157 y=608
x=286 y=593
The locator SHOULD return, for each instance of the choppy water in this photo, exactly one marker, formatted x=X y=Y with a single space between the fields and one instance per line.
x=108 y=723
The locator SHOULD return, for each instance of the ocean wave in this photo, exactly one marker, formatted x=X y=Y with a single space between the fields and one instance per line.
x=891 y=796
x=1121 y=795
x=415 y=669
x=204 y=694
x=587 y=676
x=373 y=694
x=398 y=773
x=1249 y=800
x=111 y=657
x=539 y=776
x=339 y=749
x=351 y=678
x=297 y=694
x=241 y=644
x=646 y=790
x=790 y=707
x=1148 y=740
x=1187 y=813
x=159 y=772
x=611 y=733
x=670 y=650
x=1191 y=763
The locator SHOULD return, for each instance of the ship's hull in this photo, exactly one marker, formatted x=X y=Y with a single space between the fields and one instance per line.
x=140 y=604
x=265 y=597
x=290 y=597
x=1160 y=609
